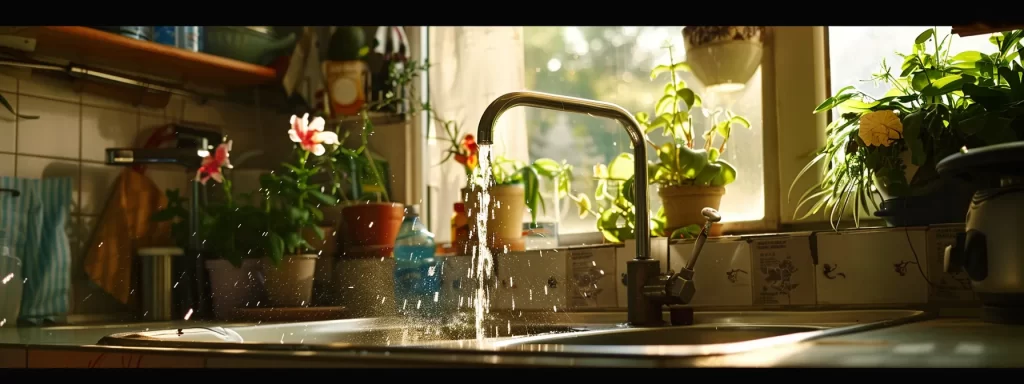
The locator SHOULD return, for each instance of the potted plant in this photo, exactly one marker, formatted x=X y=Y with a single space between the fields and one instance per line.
x=230 y=231
x=613 y=201
x=292 y=204
x=466 y=152
x=689 y=179
x=515 y=186
x=887 y=148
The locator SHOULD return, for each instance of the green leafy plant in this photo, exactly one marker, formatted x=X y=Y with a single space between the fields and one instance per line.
x=232 y=229
x=505 y=171
x=937 y=104
x=229 y=229
x=678 y=162
x=402 y=77
x=177 y=214
x=613 y=204
x=292 y=199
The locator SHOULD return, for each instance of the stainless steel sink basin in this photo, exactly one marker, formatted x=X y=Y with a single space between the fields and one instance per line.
x=713 y=333
x=692 y=335
x=384 y=331
x=597 y=333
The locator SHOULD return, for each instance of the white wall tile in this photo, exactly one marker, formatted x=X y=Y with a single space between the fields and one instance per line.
x=50 y=87
x=8 y=124
x=94 y=100
x=211 y=112
x=6 y=165
x=8 y=83
x=37 y=167
x=872 y=267
x=55 y=133
x=104 y=128
x=175 y=110
x=97 y=185
x=170 y=178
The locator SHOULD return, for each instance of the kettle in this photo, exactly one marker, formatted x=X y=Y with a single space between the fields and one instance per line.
x=991 y=248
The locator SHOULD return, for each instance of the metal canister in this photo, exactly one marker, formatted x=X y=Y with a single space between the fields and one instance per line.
x=156 y=283
x=165 y=35
x=189 y=38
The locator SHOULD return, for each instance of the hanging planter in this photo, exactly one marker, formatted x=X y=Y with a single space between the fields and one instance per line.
x=723 y=58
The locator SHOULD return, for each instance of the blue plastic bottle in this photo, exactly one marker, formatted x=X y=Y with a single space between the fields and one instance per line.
x=417 y=279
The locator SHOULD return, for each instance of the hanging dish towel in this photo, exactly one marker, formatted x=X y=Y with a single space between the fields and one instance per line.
x=124 y=227
x=36 y=222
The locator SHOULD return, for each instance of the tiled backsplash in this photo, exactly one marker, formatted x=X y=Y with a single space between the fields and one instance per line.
x=867 y=267
x=70 y=137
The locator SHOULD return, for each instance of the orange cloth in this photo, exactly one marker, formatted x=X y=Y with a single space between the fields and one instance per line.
x=124 y=227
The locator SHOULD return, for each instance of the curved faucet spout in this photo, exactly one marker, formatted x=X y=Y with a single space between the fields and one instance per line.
x=485 y=136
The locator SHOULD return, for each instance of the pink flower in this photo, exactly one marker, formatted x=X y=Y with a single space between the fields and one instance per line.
x=210 y=169
x=311 y=136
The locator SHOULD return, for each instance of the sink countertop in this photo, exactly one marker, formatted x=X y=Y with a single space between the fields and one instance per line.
x=944 y=342
x=89 y=334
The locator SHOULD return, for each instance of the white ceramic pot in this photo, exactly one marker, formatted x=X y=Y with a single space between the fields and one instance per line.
x=290 y=284
x=233 y=287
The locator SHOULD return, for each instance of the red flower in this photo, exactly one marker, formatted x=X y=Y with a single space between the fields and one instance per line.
x=311 y=135
x=212 y=163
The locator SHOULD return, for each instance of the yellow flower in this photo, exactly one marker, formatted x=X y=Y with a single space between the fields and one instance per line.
x=880 y=128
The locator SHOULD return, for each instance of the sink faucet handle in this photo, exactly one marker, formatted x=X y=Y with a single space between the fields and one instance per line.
x=712 y=217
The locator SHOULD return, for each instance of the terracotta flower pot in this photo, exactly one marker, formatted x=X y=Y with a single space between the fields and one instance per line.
x=505 y=219
x=684 y=203
x=233 y=287
x=291 y=283
x=370 y=229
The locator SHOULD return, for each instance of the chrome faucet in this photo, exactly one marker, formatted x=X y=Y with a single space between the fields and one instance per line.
x=647 y=288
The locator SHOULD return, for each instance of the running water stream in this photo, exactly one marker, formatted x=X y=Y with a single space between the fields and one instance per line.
x=482 y=259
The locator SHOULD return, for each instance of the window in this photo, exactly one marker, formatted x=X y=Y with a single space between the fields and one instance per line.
x=603 y=63
x=855 y=53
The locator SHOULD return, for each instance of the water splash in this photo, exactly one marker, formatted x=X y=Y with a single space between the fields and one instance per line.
x=482 y=259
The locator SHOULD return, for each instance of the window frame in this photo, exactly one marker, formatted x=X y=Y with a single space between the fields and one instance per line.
x=792 y=55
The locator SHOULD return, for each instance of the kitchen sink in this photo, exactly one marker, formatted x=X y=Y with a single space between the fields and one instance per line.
x=692 y=335
x=712 y=333
x=576 y=333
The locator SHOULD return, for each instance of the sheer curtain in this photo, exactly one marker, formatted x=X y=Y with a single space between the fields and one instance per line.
x=470 y=67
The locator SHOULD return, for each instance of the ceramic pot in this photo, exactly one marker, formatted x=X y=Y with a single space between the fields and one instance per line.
x=234 y=287
x=683 y=205
x=938 y=201
x=504 y=220
x=370 y=230
x=724 y=57
x=290 y=284
x=327 y=250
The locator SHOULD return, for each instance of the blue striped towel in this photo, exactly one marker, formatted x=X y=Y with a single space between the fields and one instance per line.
x=36 y=223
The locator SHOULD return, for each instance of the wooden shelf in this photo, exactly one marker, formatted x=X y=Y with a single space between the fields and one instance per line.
x=356 y=122
x=983 y=28
x=98 y=49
